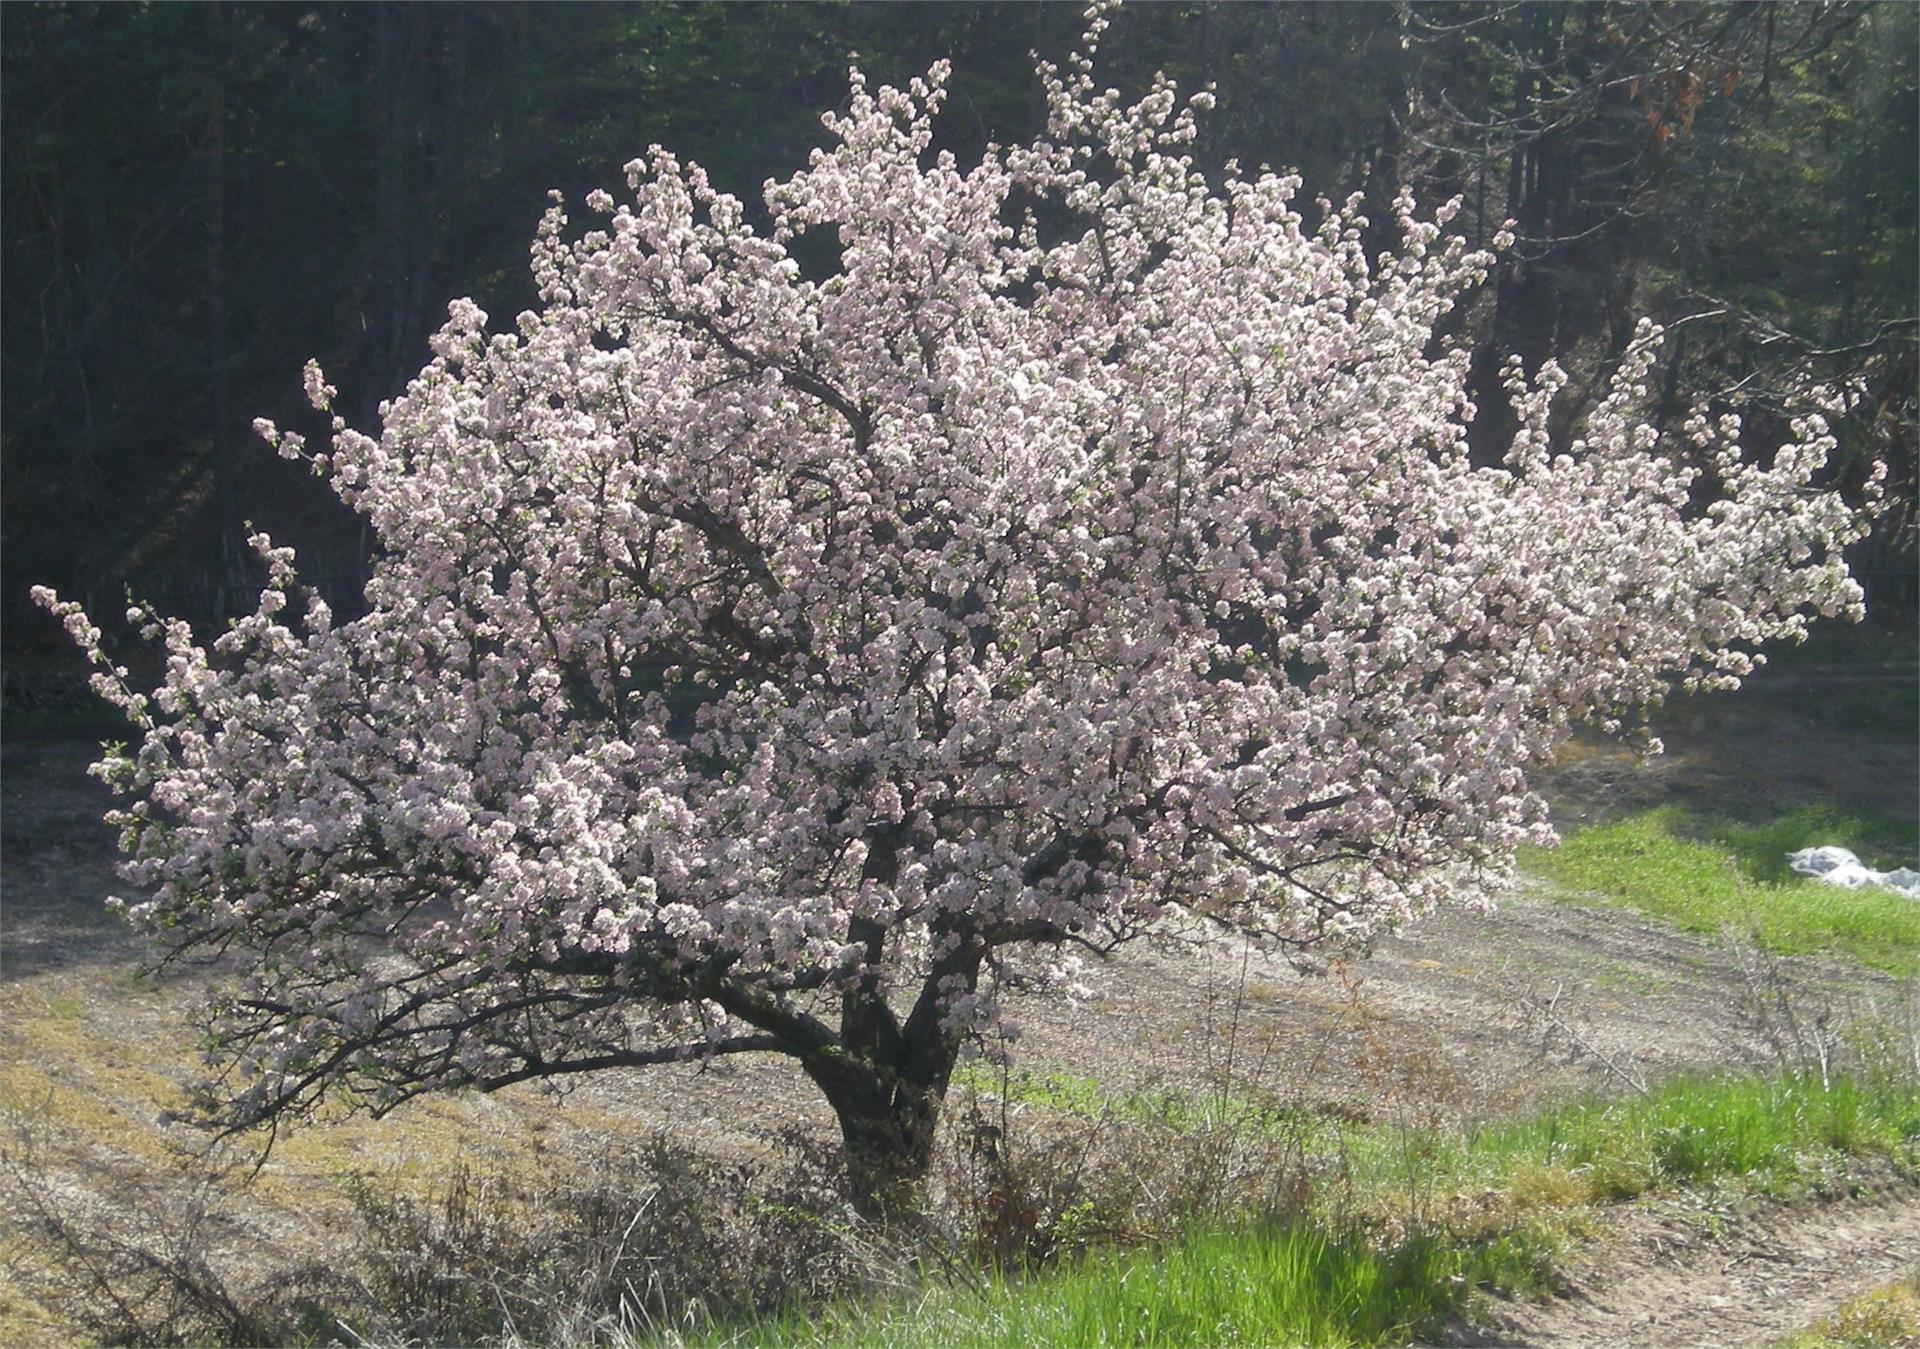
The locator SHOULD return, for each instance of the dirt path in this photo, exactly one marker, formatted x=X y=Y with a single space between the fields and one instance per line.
x=1670 y=1283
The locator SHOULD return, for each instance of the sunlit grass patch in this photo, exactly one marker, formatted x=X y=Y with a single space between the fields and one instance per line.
x=1692 y=1132
x=1709 y=875
x=70 y=1066
x=1771 y=1135
x=1275 y=1283
x=62 y=1073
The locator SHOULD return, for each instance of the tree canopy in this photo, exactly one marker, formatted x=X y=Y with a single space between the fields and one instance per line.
x=801 y=622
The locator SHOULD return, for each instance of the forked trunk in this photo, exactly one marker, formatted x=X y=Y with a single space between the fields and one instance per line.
x=886 y=1078
x=887 y=1122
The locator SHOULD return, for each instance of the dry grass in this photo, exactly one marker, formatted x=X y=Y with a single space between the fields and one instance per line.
x=1887 y=1317
x=94 y=1073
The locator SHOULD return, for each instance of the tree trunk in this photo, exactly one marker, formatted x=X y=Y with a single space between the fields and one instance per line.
x=887 y=1079
x=887 y=1123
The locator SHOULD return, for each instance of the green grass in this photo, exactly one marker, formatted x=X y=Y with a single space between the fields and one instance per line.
x=1708 y=875
x=1694 y=1132
x=1275 y=1283
x=1327 y=1275
x=1687 y=1131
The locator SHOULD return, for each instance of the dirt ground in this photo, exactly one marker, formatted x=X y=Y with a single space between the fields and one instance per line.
x=1678 y=1279
x=1485 y=1013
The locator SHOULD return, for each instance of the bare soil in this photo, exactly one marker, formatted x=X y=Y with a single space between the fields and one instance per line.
x=1479 y=1014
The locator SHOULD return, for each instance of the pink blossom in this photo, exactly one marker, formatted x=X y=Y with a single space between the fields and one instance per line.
x=739 y=636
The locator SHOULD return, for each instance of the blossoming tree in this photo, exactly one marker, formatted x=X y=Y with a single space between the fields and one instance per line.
x=757 y=662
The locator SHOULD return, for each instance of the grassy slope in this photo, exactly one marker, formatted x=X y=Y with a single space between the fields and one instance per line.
x=1707 y=875
x=1323 y=1276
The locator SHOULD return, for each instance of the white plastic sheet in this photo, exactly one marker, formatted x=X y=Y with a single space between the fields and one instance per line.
x=1836 y=866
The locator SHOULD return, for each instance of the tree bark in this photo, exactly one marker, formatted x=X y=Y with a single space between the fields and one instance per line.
x=887 y=1123
x=887 y=1078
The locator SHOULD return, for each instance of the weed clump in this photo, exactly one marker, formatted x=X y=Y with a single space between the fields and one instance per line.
x=640 y=1239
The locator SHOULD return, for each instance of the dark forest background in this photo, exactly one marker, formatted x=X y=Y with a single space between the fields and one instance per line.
x=196 y=198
